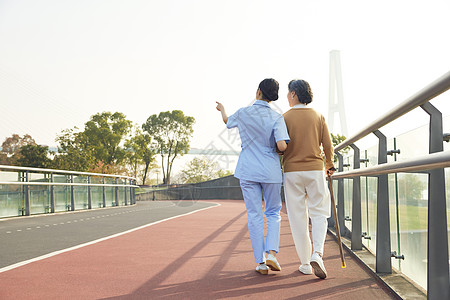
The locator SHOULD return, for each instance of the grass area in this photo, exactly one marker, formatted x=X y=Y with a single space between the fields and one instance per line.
x=411 y=218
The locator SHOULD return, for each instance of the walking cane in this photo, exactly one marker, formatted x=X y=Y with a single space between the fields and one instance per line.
x=338 y=232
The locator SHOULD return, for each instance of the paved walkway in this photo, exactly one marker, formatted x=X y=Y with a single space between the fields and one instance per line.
x=203 y=255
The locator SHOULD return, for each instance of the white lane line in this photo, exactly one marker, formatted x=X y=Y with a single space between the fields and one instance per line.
x=8 y=232
x=26 y=262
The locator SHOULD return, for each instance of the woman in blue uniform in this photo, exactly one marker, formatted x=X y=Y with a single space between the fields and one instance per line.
x=262 y=131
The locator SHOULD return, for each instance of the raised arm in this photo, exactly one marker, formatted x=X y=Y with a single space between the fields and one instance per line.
x=221 y=108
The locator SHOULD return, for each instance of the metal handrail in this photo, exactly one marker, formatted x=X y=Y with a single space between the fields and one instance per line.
x=428 y=162
x=62 y=172
x=434 y=89
x=65 y=184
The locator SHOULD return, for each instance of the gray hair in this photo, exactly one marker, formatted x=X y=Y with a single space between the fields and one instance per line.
x=302 y=89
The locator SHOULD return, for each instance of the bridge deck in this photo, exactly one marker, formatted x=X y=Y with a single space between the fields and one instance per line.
x=203 y=255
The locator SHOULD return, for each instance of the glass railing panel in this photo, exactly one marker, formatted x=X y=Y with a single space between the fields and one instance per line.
x=372 y=212
x=348 y=194
x=393 y=220
x=81 y=192
x=96 y=192
x=8 y=176
x=121 y=191
x=413 y=219
x=110 y=192
x=369 y=199
x=39 y=194
x=62 y=193
x=413 y=143
x=11 y=200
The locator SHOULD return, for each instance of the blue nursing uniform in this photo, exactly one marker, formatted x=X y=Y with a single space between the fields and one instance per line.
x=259 y=172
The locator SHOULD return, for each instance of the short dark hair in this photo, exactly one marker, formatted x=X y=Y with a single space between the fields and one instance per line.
x=302 y=89
x=269 y=88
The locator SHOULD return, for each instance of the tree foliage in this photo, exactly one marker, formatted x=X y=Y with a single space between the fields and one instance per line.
x=139 y=150
x=34 y=156
x=336 y=140
x=98 y=147
x=202 y=169
x=172 y=132
x=74 y=151
x=11 y=148
x=105 y=131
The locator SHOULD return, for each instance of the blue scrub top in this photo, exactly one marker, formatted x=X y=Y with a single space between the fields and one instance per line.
x=259 y=128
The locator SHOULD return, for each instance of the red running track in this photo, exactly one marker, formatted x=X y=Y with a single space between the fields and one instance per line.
x=204 y=255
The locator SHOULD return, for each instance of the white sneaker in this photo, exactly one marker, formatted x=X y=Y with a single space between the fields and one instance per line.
x=262 y=269
x=317 y=264
x=305 y=269
x=272 y=263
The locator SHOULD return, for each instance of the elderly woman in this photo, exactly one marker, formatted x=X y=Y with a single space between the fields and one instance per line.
x=262 y=131
x=307 y=195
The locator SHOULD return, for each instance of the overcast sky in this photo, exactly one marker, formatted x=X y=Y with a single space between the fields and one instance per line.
x=63 y=61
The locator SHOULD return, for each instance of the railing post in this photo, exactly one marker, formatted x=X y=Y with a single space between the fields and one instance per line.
x=340 y=196
x=27 y=194
x=89 y=193
x=104 y=192
x=134 y=192
x=437 y=267
x=116 y=191
x=131 y=192
x=72 y=194
x=356 y=203
x=125 y=191
x=52 y=194
x=383 y=243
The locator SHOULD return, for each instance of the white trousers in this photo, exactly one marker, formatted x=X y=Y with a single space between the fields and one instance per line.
x=253 y=192
x=307 y=197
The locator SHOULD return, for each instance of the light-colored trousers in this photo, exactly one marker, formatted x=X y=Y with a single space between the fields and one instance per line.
x=253 y=192
x=307 y=196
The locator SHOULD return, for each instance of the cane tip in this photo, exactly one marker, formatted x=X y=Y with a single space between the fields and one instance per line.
x=344 y=266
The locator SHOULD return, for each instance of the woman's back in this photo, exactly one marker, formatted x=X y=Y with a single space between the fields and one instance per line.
x=259 y=128
x=309 y=133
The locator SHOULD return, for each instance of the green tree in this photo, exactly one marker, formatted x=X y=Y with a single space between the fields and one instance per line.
x=172 y=132
x=202 y=169
x=139 y=151
x=336 y=140
x=34 y=156
x=74 y=152
x=98 y=147
x=105 y=132
x=11 y=148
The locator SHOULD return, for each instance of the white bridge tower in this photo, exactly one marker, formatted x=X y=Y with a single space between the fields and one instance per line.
x=335 y=89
